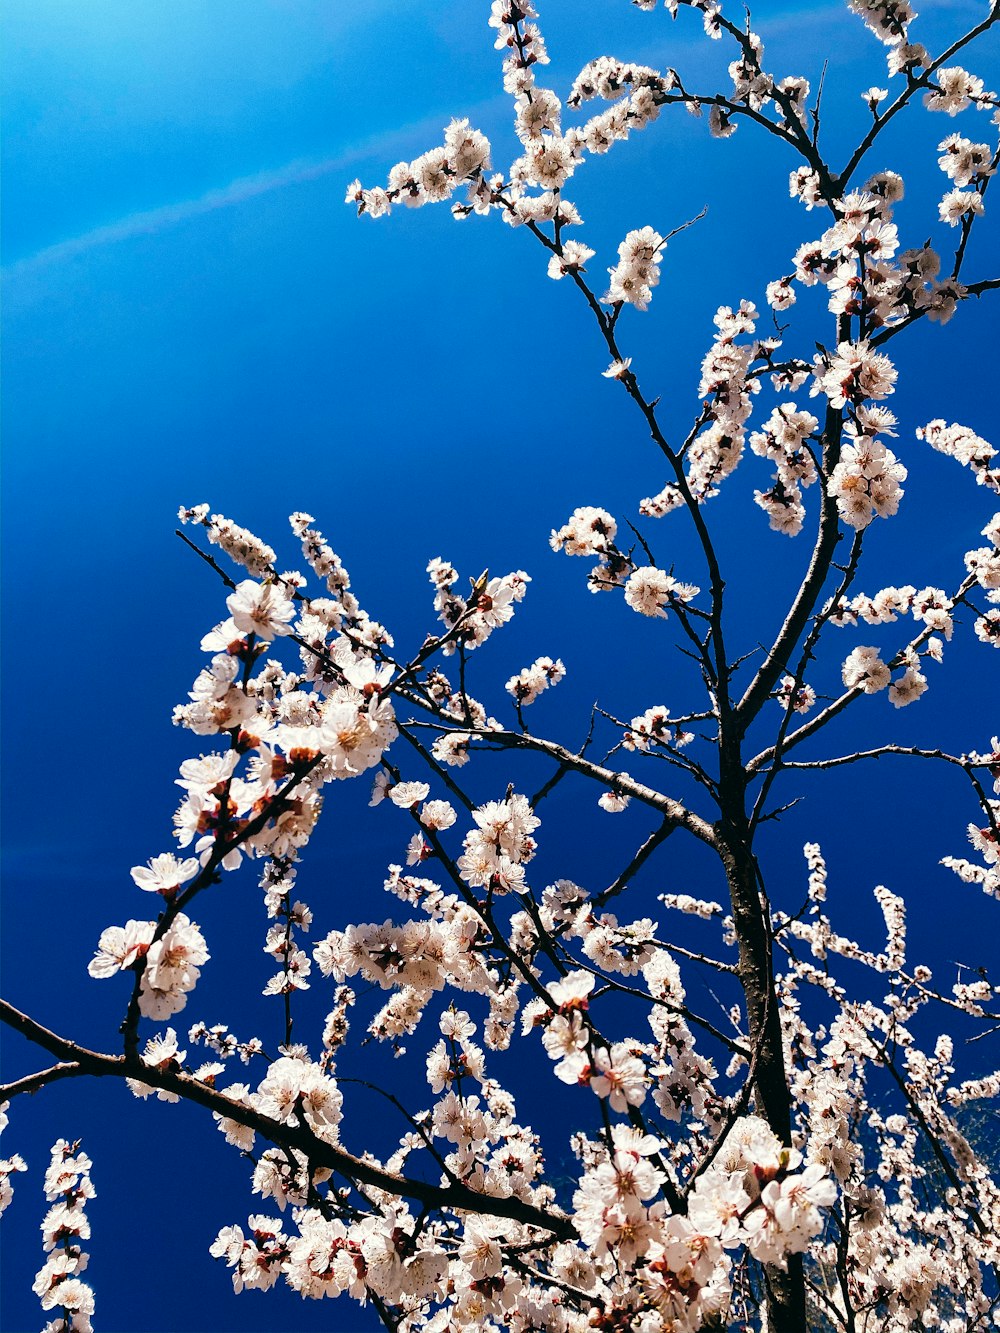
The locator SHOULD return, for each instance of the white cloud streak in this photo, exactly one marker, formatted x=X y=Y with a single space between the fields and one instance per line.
x=154 y=220
x=240 y=191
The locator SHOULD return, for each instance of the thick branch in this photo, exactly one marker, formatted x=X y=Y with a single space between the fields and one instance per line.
x=32 y=1082
x=828 y=535
x=299 y=1137
x=679 y=815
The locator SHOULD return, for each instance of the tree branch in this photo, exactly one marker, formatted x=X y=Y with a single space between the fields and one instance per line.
x=297 y=1137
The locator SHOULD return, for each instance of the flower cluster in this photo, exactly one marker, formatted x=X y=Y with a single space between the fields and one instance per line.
x=290 y=917
x=856 y=260
x=170 y=961
x=855 y=373
x=241 y=545
x=954 y=89
x=726 y=384
x=794 y=697
x=655 y=727
x=418 y=955
x=650 y=591
x=529 y=683
x=866 y=481
x=591 y=532
x=526 y=687
x=58 y=1285
x=471 y=620
x=784 y=439
x=636 y=92
x=430 y=178
x=963 y=444
x=638 y=269
x=8 y=1165
x=500 y=845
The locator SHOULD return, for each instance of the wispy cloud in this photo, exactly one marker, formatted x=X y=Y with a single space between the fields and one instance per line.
x=170 y=215
x=239 y=191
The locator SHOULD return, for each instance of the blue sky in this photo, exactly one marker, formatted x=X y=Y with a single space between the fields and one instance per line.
x=191 y=313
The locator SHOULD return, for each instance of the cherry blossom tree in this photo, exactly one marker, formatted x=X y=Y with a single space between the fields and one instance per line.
x=794 y=1158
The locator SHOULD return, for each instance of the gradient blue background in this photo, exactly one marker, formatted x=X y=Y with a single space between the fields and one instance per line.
x=191 y=313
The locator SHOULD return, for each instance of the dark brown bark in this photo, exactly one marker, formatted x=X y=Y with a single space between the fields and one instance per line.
x=785 y=1294
x=790 y=634
x=82 y=1062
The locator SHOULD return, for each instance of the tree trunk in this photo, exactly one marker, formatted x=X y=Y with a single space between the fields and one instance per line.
x=786 y=1301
